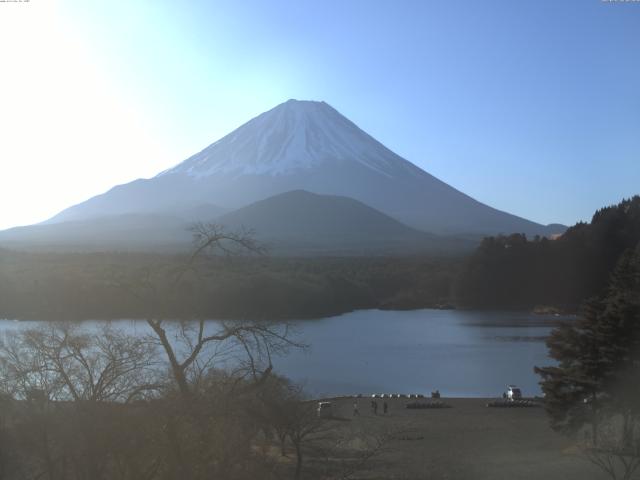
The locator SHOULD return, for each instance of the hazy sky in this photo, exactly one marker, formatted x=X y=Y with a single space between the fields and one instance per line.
x=531 y=106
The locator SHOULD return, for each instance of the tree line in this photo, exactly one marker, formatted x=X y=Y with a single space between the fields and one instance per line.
x=56 y=286
x=515 y=272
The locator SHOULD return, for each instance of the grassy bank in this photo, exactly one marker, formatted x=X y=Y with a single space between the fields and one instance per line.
x=467 y=441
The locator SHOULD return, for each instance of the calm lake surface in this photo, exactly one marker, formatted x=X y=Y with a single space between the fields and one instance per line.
x=461 y=353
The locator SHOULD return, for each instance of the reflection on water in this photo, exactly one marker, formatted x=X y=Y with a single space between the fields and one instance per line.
x=461 y=353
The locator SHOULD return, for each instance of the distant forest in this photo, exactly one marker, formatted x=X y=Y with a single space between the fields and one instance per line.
x=505 y=272
x=125 y=285
x=514 y=272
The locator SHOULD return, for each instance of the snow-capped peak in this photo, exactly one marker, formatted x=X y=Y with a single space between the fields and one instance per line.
x=293 y=136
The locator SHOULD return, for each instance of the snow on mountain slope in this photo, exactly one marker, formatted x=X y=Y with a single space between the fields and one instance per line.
x=296 y=135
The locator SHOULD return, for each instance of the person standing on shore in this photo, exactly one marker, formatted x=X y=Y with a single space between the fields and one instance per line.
x=385 y=407
x=356 y=412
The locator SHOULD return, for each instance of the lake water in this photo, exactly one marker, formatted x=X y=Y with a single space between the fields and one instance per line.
x=461 y=353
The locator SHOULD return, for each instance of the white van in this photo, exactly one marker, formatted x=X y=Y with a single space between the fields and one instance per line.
x=513 y=393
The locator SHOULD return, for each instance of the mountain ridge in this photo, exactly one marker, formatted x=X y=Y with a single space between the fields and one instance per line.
x=305 y=145
x=296 y=134
x=295 y=223
x=301 y=221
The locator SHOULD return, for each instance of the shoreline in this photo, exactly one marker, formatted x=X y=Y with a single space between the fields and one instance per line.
x=552 y=317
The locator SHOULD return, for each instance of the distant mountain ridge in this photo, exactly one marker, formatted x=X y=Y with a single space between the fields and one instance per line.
x=294 y=147
x=304 y=222
x=305 y=145
x=124 y=232
x=292 y=223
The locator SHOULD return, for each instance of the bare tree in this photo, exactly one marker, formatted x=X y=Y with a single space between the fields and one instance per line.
x=341 y=450
x=304 y=428
x=191 y=350
x=71 y=385
x=617 y=451
x=343 y=461
x=193 y=346
x=62 y=362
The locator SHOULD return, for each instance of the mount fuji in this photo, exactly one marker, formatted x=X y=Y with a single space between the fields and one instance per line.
x=301 y=145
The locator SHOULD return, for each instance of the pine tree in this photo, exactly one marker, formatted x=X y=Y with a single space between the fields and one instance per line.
x=598 y=357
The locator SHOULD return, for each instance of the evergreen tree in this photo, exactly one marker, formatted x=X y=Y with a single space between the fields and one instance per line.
x=598 y=357
x=512 y=272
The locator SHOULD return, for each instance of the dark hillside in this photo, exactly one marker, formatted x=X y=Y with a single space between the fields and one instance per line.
x=300 y=222
x=514 y=272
